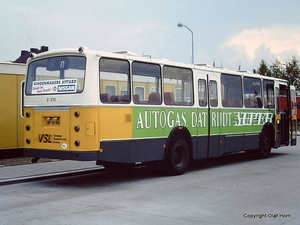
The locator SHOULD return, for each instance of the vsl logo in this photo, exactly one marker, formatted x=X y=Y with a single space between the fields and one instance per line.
x=45 y=138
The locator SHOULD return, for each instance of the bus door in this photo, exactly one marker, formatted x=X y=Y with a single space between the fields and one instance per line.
x=214 y=149
x=200 y=119
x=294 y=107
x=283 y=116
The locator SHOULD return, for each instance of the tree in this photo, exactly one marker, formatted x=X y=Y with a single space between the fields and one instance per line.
x=263 y=69
x=292 y=72
x=277 y=69
x=289 y=71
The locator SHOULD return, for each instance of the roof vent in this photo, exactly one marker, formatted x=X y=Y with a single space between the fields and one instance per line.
x=203 y=64
x=126 y=53
x=244 y=71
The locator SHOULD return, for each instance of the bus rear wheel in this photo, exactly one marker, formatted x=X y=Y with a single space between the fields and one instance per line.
x=177 y=156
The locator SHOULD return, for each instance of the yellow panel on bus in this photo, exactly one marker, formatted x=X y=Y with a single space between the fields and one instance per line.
x=115 y=123
x=83 y=128
x=51 y=129
x=76 y=128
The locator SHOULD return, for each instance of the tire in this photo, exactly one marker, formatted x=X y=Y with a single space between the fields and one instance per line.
x=265 y=146
x=177 y=156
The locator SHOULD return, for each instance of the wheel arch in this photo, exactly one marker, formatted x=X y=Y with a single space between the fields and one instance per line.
x=183 y=132
x=269 y=128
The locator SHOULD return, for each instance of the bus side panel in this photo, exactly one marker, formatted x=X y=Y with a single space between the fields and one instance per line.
x=214 y=146
x=234 y=143
x=251 y=141
x=215 y=140
x=115 y=123
x=200 y=147
x=241 y=142
x=132 y=151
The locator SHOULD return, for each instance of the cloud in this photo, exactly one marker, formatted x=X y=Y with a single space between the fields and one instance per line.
x=265 y=53
x=275 y=41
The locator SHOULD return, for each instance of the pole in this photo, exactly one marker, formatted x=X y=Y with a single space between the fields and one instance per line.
x=182 y=25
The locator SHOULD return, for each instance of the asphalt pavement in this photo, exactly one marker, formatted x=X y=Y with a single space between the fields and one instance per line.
x=229 y=190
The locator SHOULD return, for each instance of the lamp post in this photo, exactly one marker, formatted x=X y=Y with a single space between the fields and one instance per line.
x=182 y=25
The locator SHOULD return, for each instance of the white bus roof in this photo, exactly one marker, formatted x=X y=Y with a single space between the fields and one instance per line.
x=133 y=56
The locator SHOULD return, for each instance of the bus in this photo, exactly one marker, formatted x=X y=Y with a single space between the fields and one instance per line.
x=121 y=109
x=11 y=119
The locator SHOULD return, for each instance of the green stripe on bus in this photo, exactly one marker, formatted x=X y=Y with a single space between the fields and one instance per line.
x=158 y=122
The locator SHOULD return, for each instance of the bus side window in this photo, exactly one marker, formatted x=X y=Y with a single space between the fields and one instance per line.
x=213 y=93
x=269 y=96
x=114 y=81
x=252 y=92
x=232 y=94
x=202 y=92
x=146 y=81
x=178 y=86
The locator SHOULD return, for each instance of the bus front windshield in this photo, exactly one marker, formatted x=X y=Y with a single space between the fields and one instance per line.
x=56 y=75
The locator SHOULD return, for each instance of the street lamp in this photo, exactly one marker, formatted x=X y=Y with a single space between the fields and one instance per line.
x=182 y=25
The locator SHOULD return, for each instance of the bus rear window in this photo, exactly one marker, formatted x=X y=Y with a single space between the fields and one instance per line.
x=56 y=75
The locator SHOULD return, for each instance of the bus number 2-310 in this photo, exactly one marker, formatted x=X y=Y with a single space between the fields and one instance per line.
x=51 y=99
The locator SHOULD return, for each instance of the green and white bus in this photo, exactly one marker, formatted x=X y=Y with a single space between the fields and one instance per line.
x=121 y=109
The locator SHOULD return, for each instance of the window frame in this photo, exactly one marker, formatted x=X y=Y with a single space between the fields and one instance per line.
x=231 y=93
x=213 y=93
x=32 y=74
x=157 y=100
x=118 y=98
x=204 y=100
x=183 y=86
x=255 y=101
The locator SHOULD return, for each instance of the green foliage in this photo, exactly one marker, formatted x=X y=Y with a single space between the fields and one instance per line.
x=292 y=72
x=289 y=71
x=263 y=69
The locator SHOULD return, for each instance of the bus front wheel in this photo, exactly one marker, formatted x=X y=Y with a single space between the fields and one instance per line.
x=177 y=156
x=265 y=145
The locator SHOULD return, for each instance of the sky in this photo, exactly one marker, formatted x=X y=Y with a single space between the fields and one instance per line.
x=229 y=32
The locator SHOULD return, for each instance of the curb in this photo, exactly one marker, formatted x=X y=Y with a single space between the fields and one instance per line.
x=39 y=177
